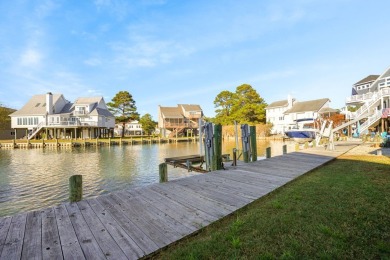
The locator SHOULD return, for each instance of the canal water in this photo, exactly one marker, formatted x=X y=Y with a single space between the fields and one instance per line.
x=38 y=178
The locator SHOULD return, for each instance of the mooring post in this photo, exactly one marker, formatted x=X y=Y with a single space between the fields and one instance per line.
x=234 y=157
x=296 y=146
x=75 y=188
x=252 y=130
x=245 y=142
x=285 y=149
x=268 y=152
x=163 y=171
x=306 y=145
x=217 y=160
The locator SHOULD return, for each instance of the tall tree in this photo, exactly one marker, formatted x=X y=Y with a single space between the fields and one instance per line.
x=224 y=103
x=148 y=125
x=124 y=109
x=244 y=106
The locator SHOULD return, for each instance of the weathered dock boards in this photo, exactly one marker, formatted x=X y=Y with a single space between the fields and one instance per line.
x=133 y=223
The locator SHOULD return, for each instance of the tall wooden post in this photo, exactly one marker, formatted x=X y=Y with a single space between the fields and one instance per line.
x=285 y=149
x=245 y=142
x=163 y=171
x=75 y=188
x=252 y=130
x=234 y=157
x=217 y=160
x=209 y=145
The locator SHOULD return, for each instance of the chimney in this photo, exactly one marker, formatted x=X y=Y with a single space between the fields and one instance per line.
x=290 y=101
x=49 y=103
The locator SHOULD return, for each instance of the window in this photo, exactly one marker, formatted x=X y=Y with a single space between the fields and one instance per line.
x=30 y=121
x=24 y=121
x=19 y=121
x=35 y=120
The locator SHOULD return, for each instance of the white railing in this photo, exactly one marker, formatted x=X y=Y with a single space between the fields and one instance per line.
x=371 y=120
x=36 y=129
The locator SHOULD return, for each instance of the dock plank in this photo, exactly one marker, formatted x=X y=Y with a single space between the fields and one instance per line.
x=51 y=246
x=211 y=208
x=85 y=237
x=70 y=246
x=4 y=227
x=13 y=245
x=194 y=215
x=165 y=222
x=33 y=236
x=107 y=244
x=124 y=241
x=176 y=214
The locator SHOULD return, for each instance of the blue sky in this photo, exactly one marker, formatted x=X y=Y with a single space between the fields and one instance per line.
x=186 y=52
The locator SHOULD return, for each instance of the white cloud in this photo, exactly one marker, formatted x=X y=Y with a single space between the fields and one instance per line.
x=93 y=62
x=31 y=58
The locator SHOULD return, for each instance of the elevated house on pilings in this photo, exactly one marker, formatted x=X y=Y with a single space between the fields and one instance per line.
x=52 y=116
x=180 y=120
x=372 y=96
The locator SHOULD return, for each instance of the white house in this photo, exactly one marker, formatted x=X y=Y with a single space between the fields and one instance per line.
x=275 y=114
x=131 y=128
x=53 y=116
x=285 y=113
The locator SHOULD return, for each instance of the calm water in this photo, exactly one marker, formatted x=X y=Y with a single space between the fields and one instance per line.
x=38 y=178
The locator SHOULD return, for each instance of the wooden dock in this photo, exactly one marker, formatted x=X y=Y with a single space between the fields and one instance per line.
x=133 y=223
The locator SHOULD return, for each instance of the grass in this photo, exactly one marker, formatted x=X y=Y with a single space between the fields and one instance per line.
x=339 y=211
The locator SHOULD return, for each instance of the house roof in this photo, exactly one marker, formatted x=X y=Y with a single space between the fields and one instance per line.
x=87 y=100
x=36 y=105
x=367 y=79
x=280 y=103
x=328 y=110
x=171 y=112
x=311 y=105
x=101 y=112
x=191 y=107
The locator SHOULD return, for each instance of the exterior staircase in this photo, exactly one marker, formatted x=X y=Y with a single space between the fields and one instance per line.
x=176 y=131
x=36 y=130
x=367 y=111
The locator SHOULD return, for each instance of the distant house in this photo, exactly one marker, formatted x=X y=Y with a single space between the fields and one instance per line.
x=179 y=120
x=275 y=114
x=52 y=116
x=311 y=109
x=285 y=113
x=131 y=128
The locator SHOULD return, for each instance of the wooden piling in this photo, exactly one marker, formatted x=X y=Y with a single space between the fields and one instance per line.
x=306 y=145
x=252 y=130
x=75 y=188
x=285 y=149
x=297 y=147
x=163 y=171
x=234 y=157
x=268 y=152
x=216 y=163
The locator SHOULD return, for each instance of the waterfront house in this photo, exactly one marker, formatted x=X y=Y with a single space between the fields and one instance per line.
x=179 y=120
x=275 y=114
x=131 y=128
x=284 y=114
x=52 y=116
x=372 y=96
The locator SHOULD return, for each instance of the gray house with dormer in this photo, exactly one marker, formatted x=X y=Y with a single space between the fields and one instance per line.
x=52 y=116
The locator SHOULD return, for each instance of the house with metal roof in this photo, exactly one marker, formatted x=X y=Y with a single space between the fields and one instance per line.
x=179 y=120
x=52 y=116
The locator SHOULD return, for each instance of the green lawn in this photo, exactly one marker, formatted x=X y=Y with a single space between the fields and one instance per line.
x=339 y=211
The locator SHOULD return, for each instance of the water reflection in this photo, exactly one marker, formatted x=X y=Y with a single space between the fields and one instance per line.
x=36 y=178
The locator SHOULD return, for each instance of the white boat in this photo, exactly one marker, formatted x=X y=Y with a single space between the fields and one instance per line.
x=303 y=131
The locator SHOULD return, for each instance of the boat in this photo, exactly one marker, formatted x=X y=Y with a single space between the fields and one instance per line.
x=303 y=131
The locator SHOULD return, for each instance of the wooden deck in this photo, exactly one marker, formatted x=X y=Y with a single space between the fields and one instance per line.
x=133 y=223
